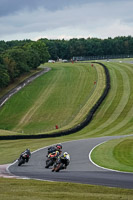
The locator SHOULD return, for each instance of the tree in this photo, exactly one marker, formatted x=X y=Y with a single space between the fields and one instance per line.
x=41 y=49
x=3 y=46
x=10 y=65
x=19 y=57
x=4 y=76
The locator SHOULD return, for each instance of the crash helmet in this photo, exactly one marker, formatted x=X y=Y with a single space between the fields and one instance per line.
x=58 y=147
x=65 y=154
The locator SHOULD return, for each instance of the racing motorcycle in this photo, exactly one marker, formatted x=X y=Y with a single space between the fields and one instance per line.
x=51 y=159
x=60 y=164
x=24 y=157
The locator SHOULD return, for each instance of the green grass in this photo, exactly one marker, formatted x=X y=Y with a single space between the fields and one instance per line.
x=13 y=148
x=66 y=106
x=31 y=189
x=17 y=81
x=115 y=154
x=63 y=96
x=114 y=117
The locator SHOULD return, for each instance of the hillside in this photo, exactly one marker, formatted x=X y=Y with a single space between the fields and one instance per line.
x=115 y=115
x=61 y=97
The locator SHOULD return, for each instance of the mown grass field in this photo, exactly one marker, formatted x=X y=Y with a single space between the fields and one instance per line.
x=114 y=117
x=18 y=80
x=60 y=97
x=115 y=154
x=41 y=190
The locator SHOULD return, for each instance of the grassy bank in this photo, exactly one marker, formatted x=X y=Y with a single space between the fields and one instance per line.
x=115 y=115
x=17 y=81
x=29 y=189
x=60 y=97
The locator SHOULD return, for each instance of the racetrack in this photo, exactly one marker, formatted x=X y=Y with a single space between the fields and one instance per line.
x=80 y=170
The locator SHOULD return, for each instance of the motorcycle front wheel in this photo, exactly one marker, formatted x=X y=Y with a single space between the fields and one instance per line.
x=49 y=163
x=20 y=162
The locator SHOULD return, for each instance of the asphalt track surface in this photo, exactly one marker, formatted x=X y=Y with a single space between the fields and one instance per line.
x=80 y=170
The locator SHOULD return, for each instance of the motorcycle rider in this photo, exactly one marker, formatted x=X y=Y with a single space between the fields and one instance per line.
x=52 y=155
x=53 y=149
x=59 y=148
x=27 y=151
x=65 y=158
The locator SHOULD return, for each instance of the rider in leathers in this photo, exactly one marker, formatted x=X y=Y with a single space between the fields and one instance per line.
x=27 y=151
x=66 y=160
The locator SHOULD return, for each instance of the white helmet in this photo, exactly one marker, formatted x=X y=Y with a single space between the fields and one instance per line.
x=65 y=153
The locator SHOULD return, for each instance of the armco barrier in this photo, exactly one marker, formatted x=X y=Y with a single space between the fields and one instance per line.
x=73 y=129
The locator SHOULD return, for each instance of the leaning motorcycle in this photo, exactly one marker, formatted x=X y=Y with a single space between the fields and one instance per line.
x=52 y=158
x=23 y=158
x=60 y=164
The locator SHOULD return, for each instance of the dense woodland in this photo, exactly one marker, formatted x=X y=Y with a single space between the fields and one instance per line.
x=19 y=57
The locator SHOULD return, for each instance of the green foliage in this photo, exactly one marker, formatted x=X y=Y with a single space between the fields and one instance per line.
x=3 y=46
x=20 y=57
x=41 y=49
x=4 y=77
x=67 y=49
x=17 y=43
x=11 y=67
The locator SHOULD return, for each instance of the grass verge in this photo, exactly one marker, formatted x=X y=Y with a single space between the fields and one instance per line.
x=30 y=189
x=115 y=154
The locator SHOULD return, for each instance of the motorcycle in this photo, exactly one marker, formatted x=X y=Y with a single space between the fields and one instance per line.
x=23 y=159
x=52 y=158
x=60 y=164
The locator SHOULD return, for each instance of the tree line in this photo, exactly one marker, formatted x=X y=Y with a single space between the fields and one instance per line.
x=19 y=57
x=67 y=49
